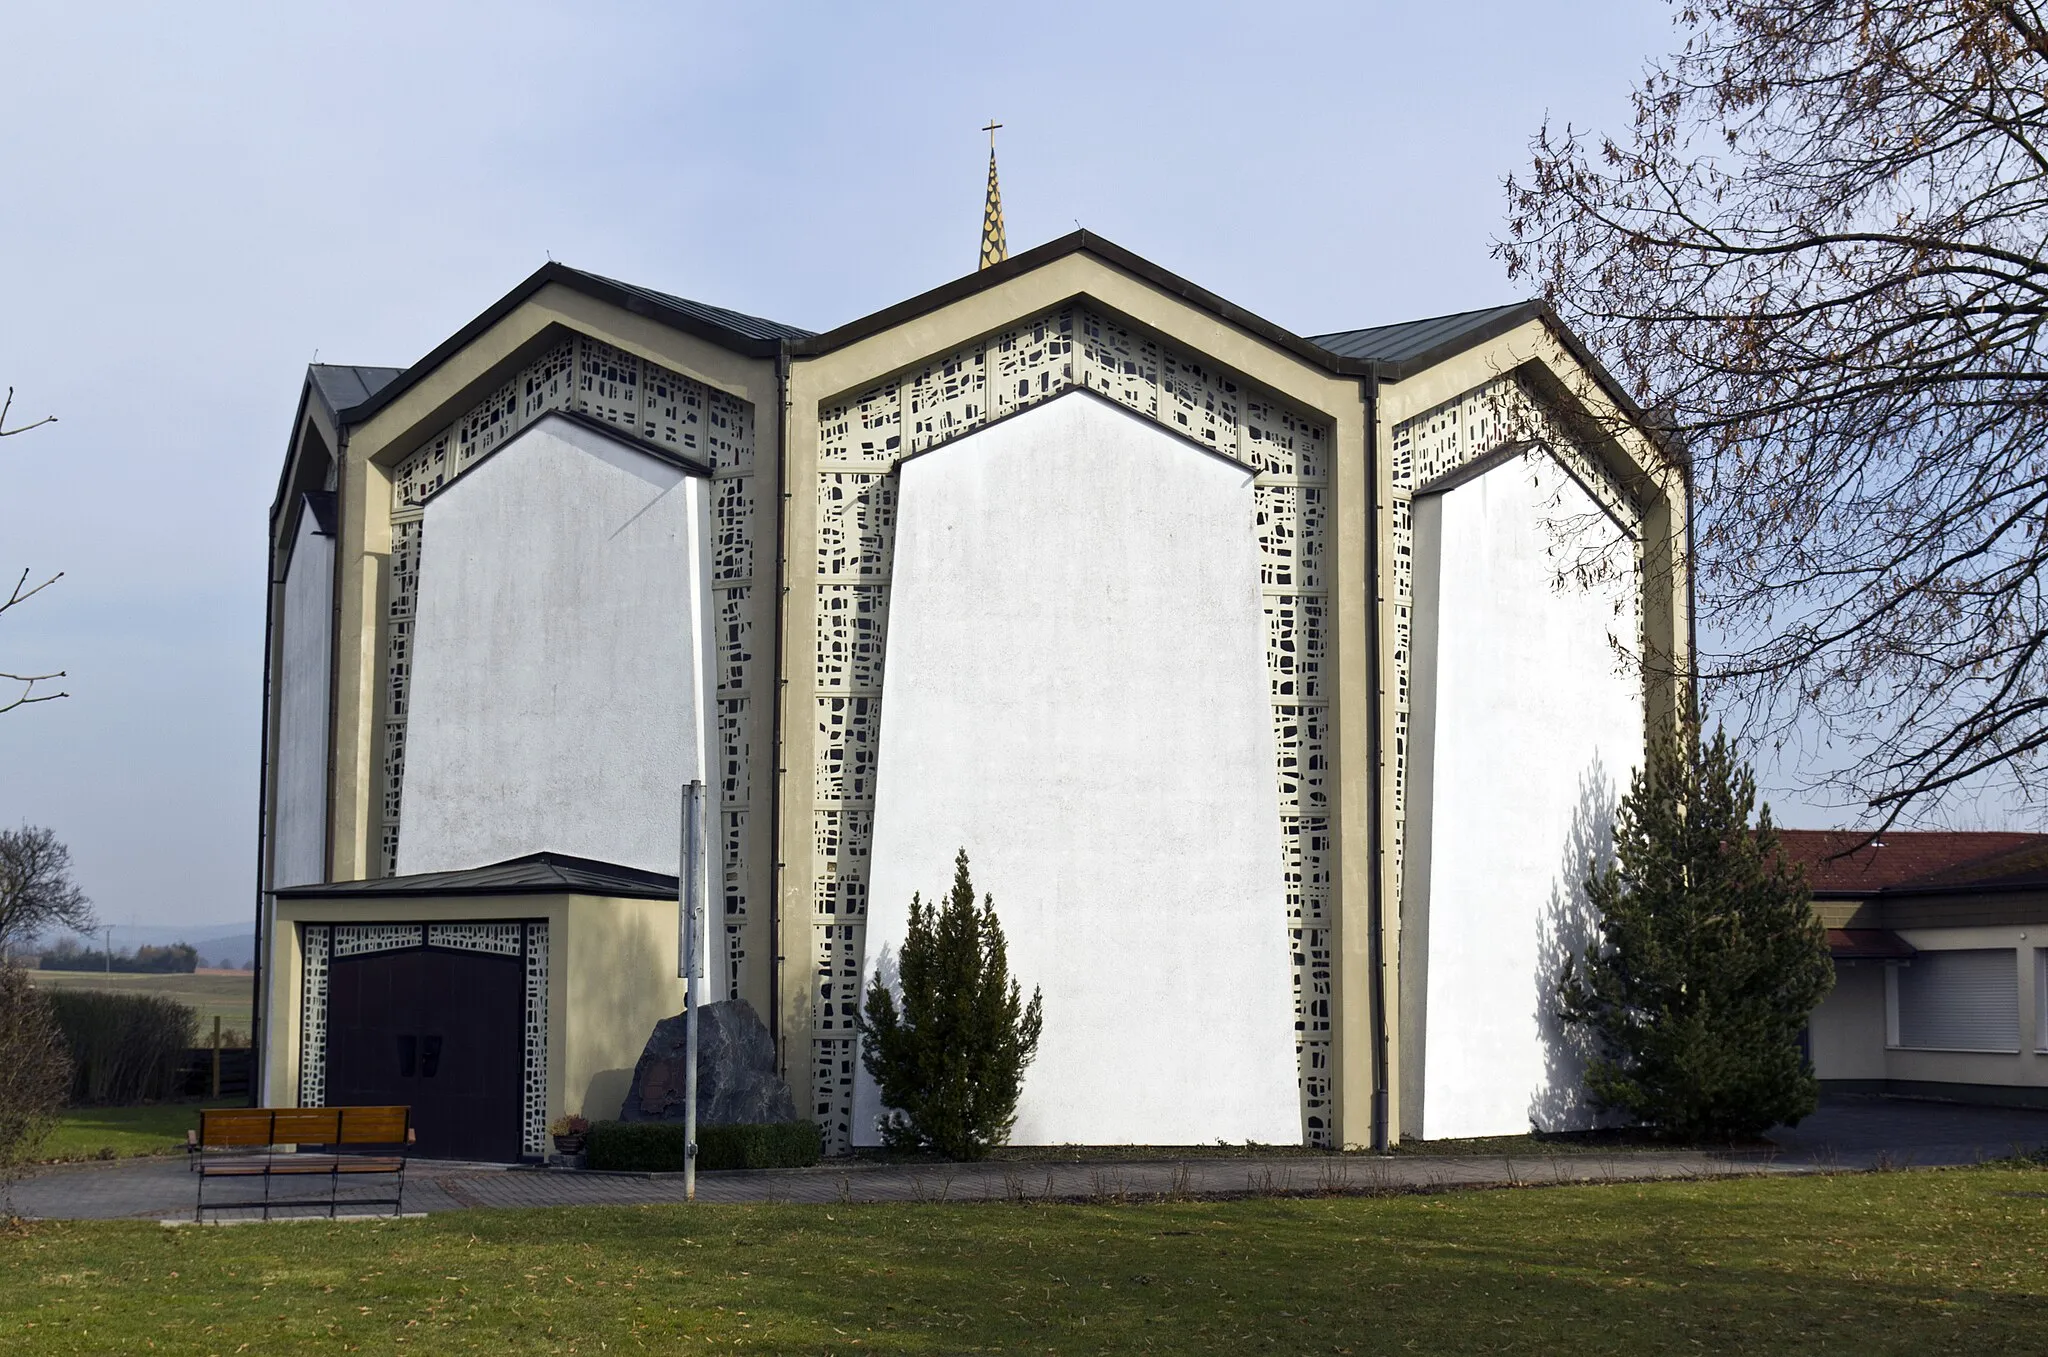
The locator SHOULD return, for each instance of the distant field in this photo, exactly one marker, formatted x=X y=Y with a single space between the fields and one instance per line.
x=207 y=995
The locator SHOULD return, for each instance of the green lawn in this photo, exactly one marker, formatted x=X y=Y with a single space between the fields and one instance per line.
x=89 y=1132
x=229 y=996
x=1904 y=1262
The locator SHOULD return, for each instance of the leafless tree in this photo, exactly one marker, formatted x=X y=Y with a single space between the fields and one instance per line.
x=22 y=591
x=1823 y=247
x=36 y=891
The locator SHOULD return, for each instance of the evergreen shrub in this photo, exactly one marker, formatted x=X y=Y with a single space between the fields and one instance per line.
x=1710 y=958
x=950 y=1062
x=658 y=1146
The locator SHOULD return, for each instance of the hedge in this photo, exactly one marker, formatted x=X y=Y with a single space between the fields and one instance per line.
x=125 y=1048
x=657 y=1146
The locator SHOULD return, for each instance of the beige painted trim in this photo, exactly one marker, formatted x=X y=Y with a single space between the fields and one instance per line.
x=1384 y=820
x=796 y=760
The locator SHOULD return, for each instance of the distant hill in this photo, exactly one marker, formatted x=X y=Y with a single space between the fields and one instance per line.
x=232 y=945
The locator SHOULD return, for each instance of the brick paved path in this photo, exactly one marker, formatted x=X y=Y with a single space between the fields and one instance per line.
x=1845 y=1135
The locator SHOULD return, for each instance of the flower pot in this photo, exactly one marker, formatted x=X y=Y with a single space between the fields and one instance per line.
x=571 y=1144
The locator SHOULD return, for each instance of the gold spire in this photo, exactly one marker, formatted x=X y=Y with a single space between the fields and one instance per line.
x=995 y=246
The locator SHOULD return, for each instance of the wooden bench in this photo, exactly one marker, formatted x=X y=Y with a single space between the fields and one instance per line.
x=299 y=1145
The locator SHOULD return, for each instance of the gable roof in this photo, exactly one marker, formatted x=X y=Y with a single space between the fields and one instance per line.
x=1388 y=353
x=1840 y=863
x=1109 y=252
x=534 y=874
x=752 y=336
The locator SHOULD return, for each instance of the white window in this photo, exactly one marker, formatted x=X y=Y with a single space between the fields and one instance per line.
x=1957 y=1001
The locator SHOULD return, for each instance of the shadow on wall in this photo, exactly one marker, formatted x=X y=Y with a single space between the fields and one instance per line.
x=1564 y=926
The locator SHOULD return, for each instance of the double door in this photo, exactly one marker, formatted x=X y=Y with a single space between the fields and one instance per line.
x=441 y=1031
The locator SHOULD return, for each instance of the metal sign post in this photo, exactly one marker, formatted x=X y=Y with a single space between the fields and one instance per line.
x=690 y=966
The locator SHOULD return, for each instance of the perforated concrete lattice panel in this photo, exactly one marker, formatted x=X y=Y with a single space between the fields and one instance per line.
x=866 y=435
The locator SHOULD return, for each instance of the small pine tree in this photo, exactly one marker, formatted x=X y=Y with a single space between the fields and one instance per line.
x=1710 y=960
x=950 y=1065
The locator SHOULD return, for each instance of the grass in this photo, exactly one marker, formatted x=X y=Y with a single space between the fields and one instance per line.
x=207 y=995
x=1951 y=1261
x=122 y=1132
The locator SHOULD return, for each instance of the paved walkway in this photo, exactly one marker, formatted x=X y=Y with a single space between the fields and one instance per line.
x=1846 y=1134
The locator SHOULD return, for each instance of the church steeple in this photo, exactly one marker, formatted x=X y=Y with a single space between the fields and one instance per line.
x=995 y=246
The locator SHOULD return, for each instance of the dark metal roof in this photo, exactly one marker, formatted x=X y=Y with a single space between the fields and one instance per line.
x=346 y=385
x=534 y=874
x=1415 y=344
x=1869 y=944
x=740 y=323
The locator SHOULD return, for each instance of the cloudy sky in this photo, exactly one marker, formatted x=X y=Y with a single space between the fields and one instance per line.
x=200 y=199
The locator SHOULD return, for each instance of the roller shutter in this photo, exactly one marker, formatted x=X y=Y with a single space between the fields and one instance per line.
x=1960 y=1001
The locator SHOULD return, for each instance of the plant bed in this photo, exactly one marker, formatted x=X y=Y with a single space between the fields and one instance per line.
x=658 y=1147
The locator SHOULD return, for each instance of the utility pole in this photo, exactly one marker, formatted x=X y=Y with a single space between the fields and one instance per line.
x=690 y=965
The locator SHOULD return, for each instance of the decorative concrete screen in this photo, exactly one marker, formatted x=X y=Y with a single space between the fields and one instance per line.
x=561 y=656
x=664 y=410
x=1528 y=719
x=1077 y=693
x=866 y=436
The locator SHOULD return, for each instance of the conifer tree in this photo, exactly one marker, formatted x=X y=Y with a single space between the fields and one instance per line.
x=950 y=1064
x=1710 y=958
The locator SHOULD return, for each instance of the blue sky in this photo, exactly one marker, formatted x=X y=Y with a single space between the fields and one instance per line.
x=200 y=199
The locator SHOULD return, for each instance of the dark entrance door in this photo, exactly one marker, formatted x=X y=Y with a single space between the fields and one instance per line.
x=441 y=1031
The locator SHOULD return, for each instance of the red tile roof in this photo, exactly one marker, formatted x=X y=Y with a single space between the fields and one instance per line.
x=1919 y=857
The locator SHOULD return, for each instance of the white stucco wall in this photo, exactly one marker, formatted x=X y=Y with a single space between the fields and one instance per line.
x=561 y=657
x=1527 y=724
x=1076 y=693
x=298 y=841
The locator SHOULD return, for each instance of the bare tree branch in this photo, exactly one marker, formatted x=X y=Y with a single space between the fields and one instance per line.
x=22 y=593
x=7 y=405
x=1823 y=247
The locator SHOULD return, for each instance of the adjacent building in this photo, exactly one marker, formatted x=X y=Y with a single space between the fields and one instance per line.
x=1940 y=942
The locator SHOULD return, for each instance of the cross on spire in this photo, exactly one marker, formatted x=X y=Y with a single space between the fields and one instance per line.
x=995 y=245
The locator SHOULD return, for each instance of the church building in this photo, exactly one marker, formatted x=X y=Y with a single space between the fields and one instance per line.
x=1278 y=688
